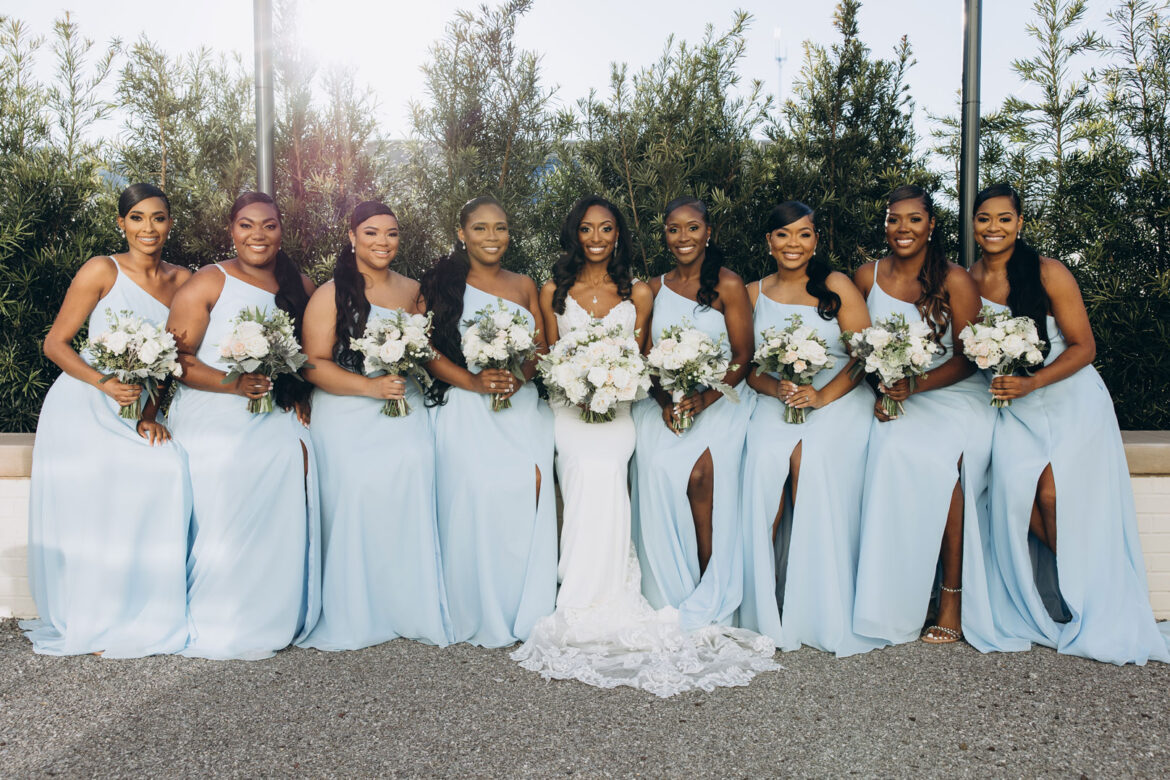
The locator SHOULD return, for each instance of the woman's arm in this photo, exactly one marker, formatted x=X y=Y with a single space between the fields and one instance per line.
x=319 y=331
x=1068 y=308
x=965 y=304
x=92 y=282
x=643 y=300
x=548 y=316
x=854 y=316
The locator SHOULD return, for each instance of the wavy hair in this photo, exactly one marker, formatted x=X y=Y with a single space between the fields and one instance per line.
x=136 y=193
x=1026 y=294
x=712 y=259
x=934 y=304
x=349 y=291
x=442 y=287
x=783 y=215
x=290 y=297
x=572 y=257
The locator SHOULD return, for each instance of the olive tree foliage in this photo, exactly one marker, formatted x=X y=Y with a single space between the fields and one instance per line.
x=56 y=210
x=329 y=153
x=846 y=139
x=188 y=128
x=677 y=127
x=485 y=128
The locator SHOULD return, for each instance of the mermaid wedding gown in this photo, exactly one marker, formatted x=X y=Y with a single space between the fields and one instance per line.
x=603 y=632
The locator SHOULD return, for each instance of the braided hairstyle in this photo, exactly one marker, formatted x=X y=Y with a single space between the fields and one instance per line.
x=784 y=214
x=442 y=287
x=934 y=304
x=290 y=297
x=572 y=257
x=1026 y=294
x=349 y=291
x=712 y=259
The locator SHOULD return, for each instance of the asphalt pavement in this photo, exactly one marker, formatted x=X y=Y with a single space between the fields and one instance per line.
x=406 y=709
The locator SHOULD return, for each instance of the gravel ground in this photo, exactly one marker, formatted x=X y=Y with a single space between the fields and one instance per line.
x=408 y=709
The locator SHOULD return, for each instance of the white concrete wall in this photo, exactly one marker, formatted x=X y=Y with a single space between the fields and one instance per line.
x=1151 y=494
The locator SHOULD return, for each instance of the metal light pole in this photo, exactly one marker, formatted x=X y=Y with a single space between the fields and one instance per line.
x=781 y=56
x=969 y=148
x=265 y=102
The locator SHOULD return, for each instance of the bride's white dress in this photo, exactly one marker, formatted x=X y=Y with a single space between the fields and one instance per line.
x=603 y=631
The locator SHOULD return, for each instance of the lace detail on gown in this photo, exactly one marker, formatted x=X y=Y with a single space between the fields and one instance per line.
x=603 y=632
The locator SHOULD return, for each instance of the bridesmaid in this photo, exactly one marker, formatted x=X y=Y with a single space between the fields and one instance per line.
x=380 y=547
x=253 y=576
x=1059 y=475
x=801 y=544
x=686 y=485
x=110 y=501
x=496 y=513
x=926 y=471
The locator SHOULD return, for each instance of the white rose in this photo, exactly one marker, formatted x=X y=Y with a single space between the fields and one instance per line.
x=256 y=346
x=392 y=351
x=1034 y=357
x=117 y=341
x=149 y=351
x=877 y=338
x=502 y=319
x=249 y=329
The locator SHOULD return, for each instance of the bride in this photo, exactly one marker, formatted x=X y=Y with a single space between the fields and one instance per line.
x=603 y=631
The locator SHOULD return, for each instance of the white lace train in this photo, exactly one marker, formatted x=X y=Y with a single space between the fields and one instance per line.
x=603 y=632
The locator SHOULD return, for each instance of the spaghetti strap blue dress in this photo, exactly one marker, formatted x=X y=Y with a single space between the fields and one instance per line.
x=497 y=537
x=382 y=577
x=253 y=566
x=911 y=468
x=1091 y=598
x=662 y=524
x=799 y=588
x=108 y=515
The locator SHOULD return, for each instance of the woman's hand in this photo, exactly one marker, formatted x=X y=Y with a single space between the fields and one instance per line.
x=899 y=391
x=153 y=432
x=388 y=387
x=799 y=396
x=689 y=405
x=303 y=410
x=879 y=412
x=252 y=385
x=123 y=394
x=496 y=381
x=1007 y=388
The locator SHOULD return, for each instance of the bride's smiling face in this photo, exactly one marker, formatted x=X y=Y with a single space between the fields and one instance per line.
x=597 y=234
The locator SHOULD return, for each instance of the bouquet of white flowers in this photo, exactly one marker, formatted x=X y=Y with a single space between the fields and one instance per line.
x=398 y=344
x=797 y=353
x=498 y=338
x=686 y=359
x=893 y=349
x=136 y=352
x=1005 y=344
x=596 y=368
x=263 y=343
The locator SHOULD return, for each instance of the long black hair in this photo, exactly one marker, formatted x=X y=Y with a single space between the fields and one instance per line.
x=712 y=259
x=442 y=287
x=349 y=290
x=934 y=304
x=136 y=193
x=572 y=257
x=784 y=214
x=1026 y=294
x=290 y=297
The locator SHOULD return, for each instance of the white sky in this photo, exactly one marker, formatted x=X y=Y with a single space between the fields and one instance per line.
x=387 y=40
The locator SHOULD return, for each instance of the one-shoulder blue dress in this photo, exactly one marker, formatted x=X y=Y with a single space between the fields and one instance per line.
x=910 y=474
x=253 y=566
x=497 y=537
x=662 y=524
x=809 y=569
x=108 y=515
x=382 y=577
x=1091 y=598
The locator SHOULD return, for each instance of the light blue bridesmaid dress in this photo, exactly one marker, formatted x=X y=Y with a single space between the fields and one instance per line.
x=810 y=568
x=1090 y=599
x=382 y=576
x=253 y=566
x=498 y=539
x=910 y=473
x=663 y=527
x=108 y=514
